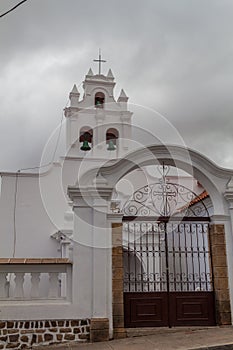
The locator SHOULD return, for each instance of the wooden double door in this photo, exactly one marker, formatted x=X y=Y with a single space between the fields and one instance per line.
x=167 y=272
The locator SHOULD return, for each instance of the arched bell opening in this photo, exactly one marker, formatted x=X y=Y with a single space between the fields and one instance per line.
x=85 y=138
x=99 y=100
x=112 y=136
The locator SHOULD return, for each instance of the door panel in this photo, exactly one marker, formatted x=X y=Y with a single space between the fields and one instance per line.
x=161 y=309
x=146 y=309
x=192 y=309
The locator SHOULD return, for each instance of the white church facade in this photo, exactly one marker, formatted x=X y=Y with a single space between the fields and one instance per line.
x=113 y=235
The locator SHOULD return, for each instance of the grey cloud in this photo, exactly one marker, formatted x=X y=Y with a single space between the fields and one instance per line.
x=172 y=56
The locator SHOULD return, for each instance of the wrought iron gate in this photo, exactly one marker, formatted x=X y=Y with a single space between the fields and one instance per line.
x=167 y=260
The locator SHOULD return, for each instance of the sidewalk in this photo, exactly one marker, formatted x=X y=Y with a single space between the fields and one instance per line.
x=164 y=339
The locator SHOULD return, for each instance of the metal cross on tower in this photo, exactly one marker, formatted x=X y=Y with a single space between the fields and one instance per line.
x=100 y=61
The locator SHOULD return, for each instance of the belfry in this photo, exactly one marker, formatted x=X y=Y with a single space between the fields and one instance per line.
x=98 y=123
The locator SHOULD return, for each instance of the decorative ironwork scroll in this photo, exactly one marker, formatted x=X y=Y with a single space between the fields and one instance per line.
x=165 y=199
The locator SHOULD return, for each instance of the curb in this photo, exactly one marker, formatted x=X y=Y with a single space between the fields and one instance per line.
x=216 y=347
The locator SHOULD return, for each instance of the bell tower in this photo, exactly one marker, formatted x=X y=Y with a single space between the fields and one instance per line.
x=97 y=125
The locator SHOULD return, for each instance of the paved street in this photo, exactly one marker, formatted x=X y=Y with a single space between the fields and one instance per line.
x=164 y=339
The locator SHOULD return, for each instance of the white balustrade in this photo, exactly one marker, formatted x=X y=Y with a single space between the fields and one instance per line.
x=42 y=281
x=35 y=282
x=19 y=281
x=53 y=285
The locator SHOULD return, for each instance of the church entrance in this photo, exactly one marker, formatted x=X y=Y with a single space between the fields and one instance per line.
x=167 y=259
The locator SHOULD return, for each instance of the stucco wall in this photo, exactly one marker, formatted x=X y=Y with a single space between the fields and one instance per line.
x=25 y=227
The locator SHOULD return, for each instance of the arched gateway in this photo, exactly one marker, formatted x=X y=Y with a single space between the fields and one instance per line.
x=167 y=260
x=170 y=262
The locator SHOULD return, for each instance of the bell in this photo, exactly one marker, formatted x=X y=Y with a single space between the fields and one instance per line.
x=111 y=146
x=85 y=146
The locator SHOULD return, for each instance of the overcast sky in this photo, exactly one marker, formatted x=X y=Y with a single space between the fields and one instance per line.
x=174 y=56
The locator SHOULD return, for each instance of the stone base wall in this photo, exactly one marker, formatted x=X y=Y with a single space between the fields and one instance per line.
x=99 y=329
x=25 y=334
x=220 y=274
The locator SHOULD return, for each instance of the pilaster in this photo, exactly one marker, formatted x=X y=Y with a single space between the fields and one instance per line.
x=229 y=197
x=117 y=282
x=229 y=238
x=220 y=274
x=92 y=249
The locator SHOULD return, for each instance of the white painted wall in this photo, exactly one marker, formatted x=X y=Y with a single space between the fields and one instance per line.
x=24 y=225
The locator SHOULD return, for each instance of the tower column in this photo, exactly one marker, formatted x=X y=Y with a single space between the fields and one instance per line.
x=99 y=134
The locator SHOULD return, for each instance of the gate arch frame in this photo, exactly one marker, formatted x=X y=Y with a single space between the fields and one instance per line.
x=217 y=181
x=213 y=178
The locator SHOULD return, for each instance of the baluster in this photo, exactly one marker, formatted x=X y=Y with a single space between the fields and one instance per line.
x=35 y=281
x=3 y=284
x=53 y=284
x=19 y=280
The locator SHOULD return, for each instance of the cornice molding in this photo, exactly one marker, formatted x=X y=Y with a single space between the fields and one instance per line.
x=214 y=219
x=76 y=112
x=75 y=192
x=115 y=217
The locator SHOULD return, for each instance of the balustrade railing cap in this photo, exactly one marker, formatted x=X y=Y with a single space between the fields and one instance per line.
x=35 y=261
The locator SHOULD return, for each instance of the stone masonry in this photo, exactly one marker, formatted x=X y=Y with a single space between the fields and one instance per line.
x=117 y=282
x=25 y=334
x=99 y=330
x=220 y=274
